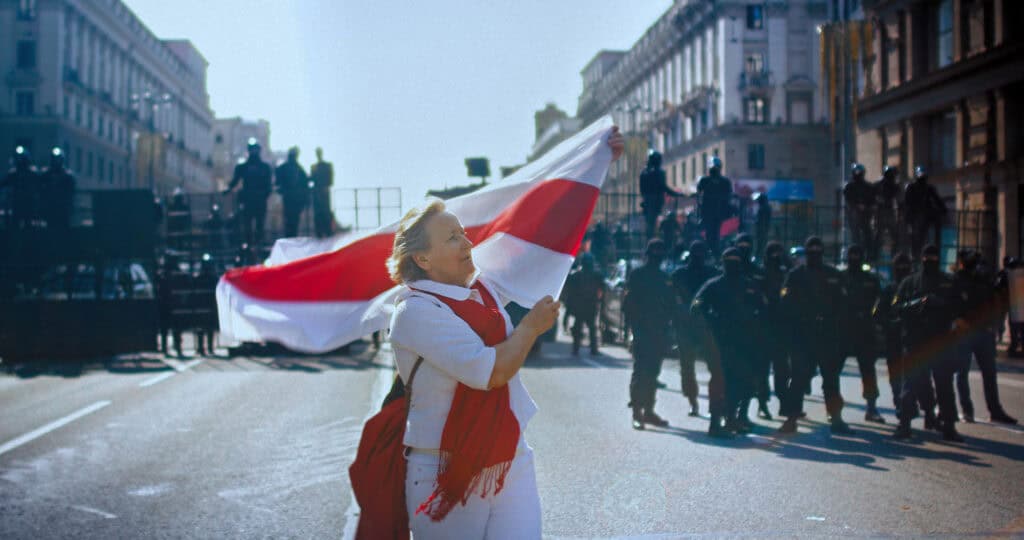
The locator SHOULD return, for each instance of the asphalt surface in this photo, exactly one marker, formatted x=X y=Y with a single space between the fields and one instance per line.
x=258 y=448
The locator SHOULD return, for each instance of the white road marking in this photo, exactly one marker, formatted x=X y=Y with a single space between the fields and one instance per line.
x=153 y=380
x=178 y=368
x=94 y=511
x=56 y=424
x=591 y=363
x=380 y=387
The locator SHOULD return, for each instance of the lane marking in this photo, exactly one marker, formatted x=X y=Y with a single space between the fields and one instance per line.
x=153 y=380
x=178 y=368
x=380 y=387
x=93 y=511
x=56 y=424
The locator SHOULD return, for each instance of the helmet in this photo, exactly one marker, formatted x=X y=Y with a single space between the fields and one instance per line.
x=890 y=170
x=21 y=155
x=293 y=152
x=654 y=159
x=56 y=157
x=920 y=172
x=714 y=162
x=253 y=144
x=857 y=169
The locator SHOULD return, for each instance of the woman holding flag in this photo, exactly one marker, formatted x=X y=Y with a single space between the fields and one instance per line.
x=470 y=472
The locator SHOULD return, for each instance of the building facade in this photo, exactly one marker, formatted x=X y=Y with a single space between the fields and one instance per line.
x=551 y=126
x=737 y=79
x=129 y=109
x=944 y=88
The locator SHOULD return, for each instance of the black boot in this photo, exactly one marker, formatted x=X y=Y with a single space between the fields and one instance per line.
x=871 y=414
x=903 y=431
x=1003 y=418
x=653 y=419
x=789 y=426
x=949 y=433
x=763 y=412
x=638 y=418
x=694 y=407
x=716 y=430
x=839 y=427
x=930 y=422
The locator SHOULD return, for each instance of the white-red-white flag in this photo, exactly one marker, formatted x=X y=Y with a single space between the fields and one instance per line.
x=526 y=230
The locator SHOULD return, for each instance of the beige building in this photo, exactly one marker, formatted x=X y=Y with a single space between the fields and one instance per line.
x=130 y=109
x=732 y=78
x=944 y=88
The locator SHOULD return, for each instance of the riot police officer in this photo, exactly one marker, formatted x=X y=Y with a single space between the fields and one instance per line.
x=58 y=193
x=892 y=328
x=653 y=189
x=924 y=210
x=179 y=221
x=733 y=307
x=744 y=245
x=810 y=296
x=292 y=184
x=981 y=312
x=859 y=196
x=648 y=307
x=255 y=176
x=322 y=176
x=863 y=290
x=930 y=308
x=584 y=294
x=691 y=339
x=887 y=205
x=775 y=353
x=714 y=198
x=23 y=183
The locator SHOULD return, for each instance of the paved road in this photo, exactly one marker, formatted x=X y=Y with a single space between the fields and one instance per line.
x=250 y=448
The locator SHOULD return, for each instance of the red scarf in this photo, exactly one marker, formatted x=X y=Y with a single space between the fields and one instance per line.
x=481 y=433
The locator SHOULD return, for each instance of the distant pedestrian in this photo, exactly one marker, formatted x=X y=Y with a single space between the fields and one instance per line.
x=23 y=183
x=859 y=197
x=58 y=193
x=322 y=175
x=293 y=185
x=653 y=190
x=585 y=291
x=714 y=198
x=255 y=176
x=925 y=211
x=648 y=305
x=690 y=329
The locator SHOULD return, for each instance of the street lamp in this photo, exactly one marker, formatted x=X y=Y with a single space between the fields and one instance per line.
x=151 y=101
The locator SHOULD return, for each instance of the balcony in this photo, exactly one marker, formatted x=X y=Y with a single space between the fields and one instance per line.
x=697 y=99
x=757 y=83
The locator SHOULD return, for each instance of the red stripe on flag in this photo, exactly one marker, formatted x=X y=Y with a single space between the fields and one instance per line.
x=553 y=214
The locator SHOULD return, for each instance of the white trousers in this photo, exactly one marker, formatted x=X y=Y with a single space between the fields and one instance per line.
x=514 y=513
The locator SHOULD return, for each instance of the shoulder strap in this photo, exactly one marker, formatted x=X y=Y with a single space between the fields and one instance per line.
x=412 y=375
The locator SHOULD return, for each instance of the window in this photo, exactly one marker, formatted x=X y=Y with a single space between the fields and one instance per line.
x=88 y=164
x=67 y=108
x=942 y=133
x=26 y=54
x=755 y=17
x=704 y=161
x=755 y=111
x=78 y=115
x=26 y=9
x=99 y=168
x=755 y=157
x=110 y=171
x=944 y=44
x=754 y=64
x=682 y=171
x=88 y=119
x=78 y=159
x=24 y=103
x=99 y=126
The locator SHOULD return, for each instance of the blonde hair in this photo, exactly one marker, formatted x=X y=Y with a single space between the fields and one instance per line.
x=411 y=239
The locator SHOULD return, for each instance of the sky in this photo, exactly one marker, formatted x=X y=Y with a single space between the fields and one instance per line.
x=398 y=93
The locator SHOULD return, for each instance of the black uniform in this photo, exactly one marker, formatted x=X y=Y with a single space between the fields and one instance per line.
x=23 y=183
x=775 y=352
x=887 y=200
x=58 y=197
x=715 y=193
x=292 y=184
x=322 y=174
x=690 y=329
x=925 y=211
x=981 y=311
x=255 y=176
x=809 y=298
x=649 y=307
x=892 y=326
x=860 y=200
x=863 y=290
x=584 y=293
x=927 y=303
x=733 y=307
